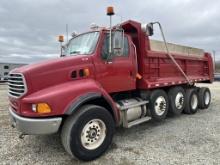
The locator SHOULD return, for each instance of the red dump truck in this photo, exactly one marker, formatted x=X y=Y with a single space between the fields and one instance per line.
x=107 y=78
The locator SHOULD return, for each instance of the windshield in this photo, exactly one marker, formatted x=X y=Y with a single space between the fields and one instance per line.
x=82 y=44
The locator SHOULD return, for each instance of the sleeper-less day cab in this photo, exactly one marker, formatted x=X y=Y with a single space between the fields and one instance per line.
x=96 y=86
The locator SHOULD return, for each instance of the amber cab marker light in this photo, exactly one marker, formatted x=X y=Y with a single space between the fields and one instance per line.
x=43 y=108
x=86 y=72
x=61 y=38
x=110 y=11
x=138 y=76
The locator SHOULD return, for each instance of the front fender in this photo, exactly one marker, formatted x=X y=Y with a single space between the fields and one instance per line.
x=64 y=98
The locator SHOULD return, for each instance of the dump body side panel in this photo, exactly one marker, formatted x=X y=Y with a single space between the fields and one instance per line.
x=160 y=71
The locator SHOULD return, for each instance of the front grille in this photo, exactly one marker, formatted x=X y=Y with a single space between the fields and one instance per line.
x=16 y=85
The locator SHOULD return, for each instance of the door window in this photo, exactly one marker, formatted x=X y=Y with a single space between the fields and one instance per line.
x=115 y=52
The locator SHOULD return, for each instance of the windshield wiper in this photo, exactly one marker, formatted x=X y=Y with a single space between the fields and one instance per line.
x=75 y=52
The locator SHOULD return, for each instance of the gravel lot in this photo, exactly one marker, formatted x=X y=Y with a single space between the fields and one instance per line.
x=188 y=139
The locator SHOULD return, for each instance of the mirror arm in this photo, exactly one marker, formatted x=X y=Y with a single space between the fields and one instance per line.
x=123 y=40
x=61 y=49
x=110 y=36
x=109 y=58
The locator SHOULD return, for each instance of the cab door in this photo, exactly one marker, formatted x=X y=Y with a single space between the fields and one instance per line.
x=119 y=73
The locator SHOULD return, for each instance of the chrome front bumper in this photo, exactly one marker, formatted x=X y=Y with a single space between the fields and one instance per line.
x=33 y=126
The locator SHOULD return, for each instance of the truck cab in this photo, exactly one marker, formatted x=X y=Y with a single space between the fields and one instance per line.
x=118 y=66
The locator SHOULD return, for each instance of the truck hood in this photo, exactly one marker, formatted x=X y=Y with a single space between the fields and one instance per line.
x=53 y=72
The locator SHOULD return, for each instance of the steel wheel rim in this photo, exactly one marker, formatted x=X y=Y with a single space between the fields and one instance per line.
x=207 y=98
x=93 y=134
x=194 y=101
x=160 y=105
x=179 y=100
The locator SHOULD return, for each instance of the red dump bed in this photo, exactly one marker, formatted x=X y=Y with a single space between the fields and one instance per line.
x=158 y=70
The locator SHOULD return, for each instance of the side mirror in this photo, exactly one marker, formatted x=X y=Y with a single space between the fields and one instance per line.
x=115 y=44
x=118 y=42
x=148 y=29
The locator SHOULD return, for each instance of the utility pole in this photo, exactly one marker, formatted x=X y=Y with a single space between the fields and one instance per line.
x=67 y=39
x=214 y=60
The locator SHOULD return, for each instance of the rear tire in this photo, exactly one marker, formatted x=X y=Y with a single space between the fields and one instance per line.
x=158 y=104
x=176 y=100
x=87 y=134
x=204 y=97
x=192 y=101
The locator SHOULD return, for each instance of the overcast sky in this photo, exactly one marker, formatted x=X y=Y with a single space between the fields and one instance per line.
x=29 y=28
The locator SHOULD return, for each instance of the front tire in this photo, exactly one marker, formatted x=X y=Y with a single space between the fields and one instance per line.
x=87 y=134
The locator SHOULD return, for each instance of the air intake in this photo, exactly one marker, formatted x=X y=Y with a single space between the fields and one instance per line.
x=16 y=85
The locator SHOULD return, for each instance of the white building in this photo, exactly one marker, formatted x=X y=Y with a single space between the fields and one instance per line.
x=5 y=68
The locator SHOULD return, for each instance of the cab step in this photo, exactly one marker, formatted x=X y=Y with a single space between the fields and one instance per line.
x=138 y=121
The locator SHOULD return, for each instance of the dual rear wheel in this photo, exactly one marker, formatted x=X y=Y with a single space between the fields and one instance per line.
x=204 y=98
x=178 y=100
x=197 y=98
x=192 y=101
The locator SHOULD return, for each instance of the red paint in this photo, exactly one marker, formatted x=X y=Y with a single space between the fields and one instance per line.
x=51 y=81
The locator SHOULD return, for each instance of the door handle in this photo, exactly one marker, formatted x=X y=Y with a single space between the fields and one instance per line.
x=108 y=62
